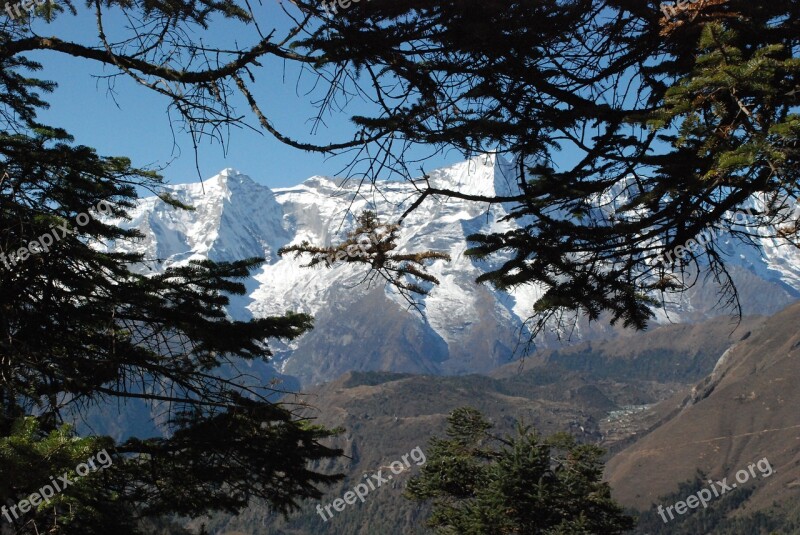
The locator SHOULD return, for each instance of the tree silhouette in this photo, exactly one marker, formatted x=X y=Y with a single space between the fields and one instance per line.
x=526 y=484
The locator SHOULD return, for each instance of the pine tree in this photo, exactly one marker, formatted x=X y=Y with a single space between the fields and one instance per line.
x=524 y=484
x=83 y=327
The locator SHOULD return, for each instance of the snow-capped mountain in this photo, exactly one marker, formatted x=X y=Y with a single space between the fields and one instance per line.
x=466 y=327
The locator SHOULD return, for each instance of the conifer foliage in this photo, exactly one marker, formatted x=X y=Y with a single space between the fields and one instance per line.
x=631 y=131
x=84 y=328
x=523 y=484
x=671 y=123
x=372 y=244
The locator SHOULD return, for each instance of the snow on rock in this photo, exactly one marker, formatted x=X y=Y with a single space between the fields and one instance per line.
x=237 y=218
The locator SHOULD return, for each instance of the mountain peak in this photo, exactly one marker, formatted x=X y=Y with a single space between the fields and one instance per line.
x=230 y=178
x=488 y=174
x=230 y=171
x=227 y=181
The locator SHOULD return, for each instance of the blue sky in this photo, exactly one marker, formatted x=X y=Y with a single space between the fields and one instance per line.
x=133 y=120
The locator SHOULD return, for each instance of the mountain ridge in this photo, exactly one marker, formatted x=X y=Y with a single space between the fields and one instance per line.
x=618 y=404
x=471 y=328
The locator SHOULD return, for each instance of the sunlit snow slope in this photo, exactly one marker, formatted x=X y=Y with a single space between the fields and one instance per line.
x=466 y=327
